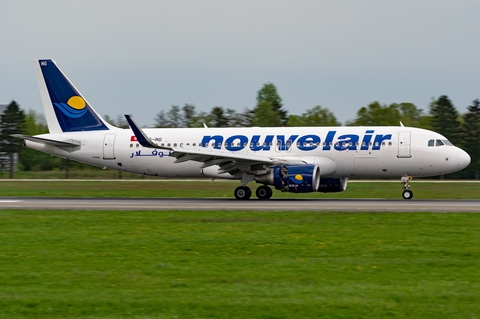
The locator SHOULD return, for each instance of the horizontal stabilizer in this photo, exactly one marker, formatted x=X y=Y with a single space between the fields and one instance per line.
x=67 y=143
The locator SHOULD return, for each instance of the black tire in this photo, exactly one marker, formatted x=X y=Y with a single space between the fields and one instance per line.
x=264 y=192
x=407 y=194
x=242 y=193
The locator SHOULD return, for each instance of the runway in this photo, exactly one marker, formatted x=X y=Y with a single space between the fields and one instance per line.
x=320 y=205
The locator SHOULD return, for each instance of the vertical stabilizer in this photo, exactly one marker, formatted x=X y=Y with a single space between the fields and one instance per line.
x=66 y=110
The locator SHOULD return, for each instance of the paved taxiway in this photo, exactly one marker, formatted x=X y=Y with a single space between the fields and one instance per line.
x=332 y=205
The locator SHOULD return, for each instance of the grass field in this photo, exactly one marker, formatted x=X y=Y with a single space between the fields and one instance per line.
x=179 y=264
x=172 y=188
x=220 y=264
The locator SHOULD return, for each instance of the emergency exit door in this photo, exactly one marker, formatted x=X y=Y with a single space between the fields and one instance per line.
x=108 y=146
x=404 y=145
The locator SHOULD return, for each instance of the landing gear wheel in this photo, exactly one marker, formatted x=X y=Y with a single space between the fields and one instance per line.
x=407 y=194
x=264 y=192
x=242 y=192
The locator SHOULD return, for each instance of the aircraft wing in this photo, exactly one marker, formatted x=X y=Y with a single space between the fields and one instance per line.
x=228 y=162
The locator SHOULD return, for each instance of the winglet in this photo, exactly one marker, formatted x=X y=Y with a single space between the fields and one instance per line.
x=142 y=138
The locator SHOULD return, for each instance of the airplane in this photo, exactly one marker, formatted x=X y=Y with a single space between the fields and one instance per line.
x=291 y=159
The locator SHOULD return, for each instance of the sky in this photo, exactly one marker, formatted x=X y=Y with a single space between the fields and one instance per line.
x=141 y=57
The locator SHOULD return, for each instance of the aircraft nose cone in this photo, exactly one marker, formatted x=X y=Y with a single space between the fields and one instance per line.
x=463 y=159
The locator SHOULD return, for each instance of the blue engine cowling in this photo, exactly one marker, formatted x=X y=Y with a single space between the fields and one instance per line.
x=296 y=178
x=332 y=185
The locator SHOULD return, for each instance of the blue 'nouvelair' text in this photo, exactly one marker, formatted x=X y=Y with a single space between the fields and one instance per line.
x=308 y=142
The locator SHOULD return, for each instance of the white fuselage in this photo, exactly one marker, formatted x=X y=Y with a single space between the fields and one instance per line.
x=366 y=152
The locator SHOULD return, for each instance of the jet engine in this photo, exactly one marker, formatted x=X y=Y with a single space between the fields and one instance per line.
x=292 y=178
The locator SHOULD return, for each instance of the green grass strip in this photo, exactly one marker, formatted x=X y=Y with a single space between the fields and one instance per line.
x=219 y=264
x=172 y=188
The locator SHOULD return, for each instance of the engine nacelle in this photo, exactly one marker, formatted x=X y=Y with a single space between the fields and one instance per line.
x=332 y=185
x=293 y=178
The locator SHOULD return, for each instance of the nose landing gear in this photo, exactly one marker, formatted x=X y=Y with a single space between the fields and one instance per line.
x=407 y=194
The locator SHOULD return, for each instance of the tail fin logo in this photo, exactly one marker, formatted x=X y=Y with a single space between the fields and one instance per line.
x=71 y=110
x=74 y=108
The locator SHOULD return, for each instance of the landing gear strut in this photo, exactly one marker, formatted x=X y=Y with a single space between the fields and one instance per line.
x=407 y=194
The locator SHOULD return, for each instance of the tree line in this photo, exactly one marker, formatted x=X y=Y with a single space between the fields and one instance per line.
x=462 y=129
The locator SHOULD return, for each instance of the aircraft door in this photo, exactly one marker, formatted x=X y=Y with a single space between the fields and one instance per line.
x=404 y=145
x=108 y=147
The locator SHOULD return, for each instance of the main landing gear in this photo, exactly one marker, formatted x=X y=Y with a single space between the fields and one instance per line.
x=407 y=194
x=244 y=192
x=264 y=192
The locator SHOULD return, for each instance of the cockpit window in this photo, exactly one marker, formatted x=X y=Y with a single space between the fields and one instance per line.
x=439 y=143
x=447 y=142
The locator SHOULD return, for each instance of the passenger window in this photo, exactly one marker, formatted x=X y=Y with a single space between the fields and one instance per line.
x=431 y=143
